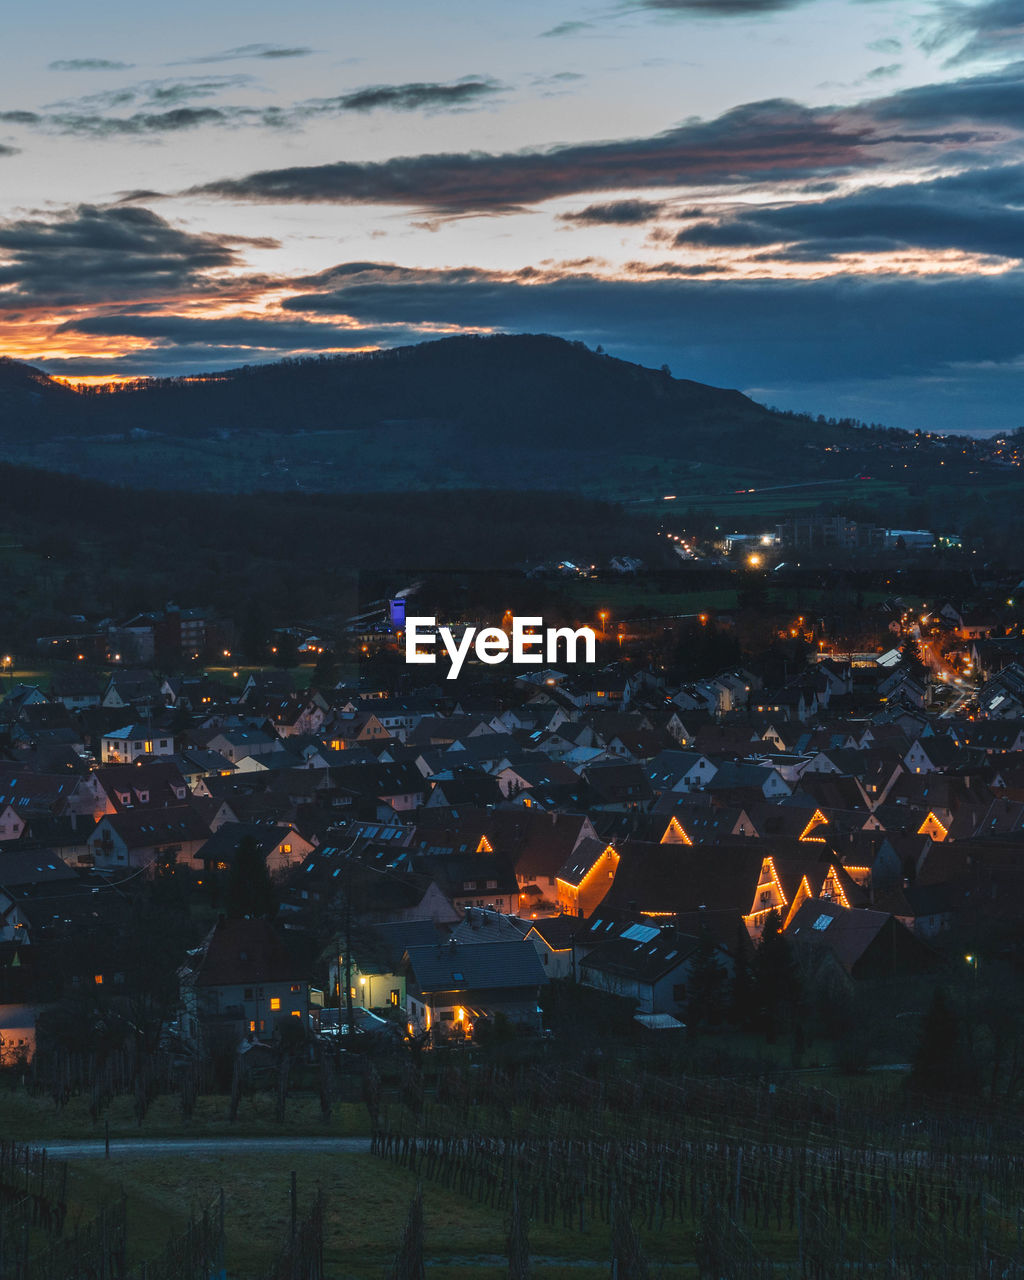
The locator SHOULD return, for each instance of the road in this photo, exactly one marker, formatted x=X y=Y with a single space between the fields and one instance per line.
x=94 y=1148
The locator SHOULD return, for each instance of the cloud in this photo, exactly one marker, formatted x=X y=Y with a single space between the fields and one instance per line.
x=90 y=254
x=166 y=110
x=7 y=151
x=994 y=29
x=718 y=8
x=880 y=73
x=774 y=141
x=89 y=64
x=142 y=122
x=239 y=332
x=617 y=213
x=780 y=333
x=976 y=212
x=404 y=97
x=567 y=29
x=771 y=139
x=269 y=51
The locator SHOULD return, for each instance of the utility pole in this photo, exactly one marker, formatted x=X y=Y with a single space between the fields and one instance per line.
x=349 y=1006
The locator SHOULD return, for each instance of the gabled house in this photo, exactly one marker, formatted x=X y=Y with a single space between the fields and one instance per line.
x=139 y=837
x=242 y=983
x=132 y=741
x=867 y=944
x=452 y=989
x=680 y=771
x=585 y=878
x=281 y=846
x=145 y=784
x=473 y=880
x=649 y=964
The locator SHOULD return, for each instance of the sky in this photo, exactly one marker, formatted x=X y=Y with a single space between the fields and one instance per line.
x=819 y=202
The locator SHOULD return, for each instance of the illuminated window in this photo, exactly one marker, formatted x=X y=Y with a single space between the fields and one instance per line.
x=296 y=1013
x=252 y=1026
x=98 y=979
x=275 y=1004
x=286 y=848
x=394 y=996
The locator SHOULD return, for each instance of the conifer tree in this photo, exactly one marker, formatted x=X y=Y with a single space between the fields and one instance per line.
x=249 y=890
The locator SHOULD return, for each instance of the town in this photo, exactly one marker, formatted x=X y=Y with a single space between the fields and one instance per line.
x=740 y=842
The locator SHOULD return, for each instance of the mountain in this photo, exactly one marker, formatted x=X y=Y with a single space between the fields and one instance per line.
x=31 y=401
x=526 y=411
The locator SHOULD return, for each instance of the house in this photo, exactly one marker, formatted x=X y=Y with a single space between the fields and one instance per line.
x=17 y=1034
x=552 y=937
x=242 y=982
x=648 y=963
x=281 y=845
x=586 y=876
x=125 y=745
x=378 y=979
x=473 y=880
x=785 y=883
x=680 y=771
x=140 y=837
x=76 y=690
x=145 y=784
x=453 y=988
x=867 y=944
x=131 y=688
x=236 y=744
x=25 y=796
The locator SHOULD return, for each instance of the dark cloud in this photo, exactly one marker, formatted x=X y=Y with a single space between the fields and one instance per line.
x=991 y=29
x=89 y=64
x=718 y=8
x=767 y=140
x=238 y=332
x=568 y=29
x=271 y=51
x=976 y=212
x=615 y=213
x=175 y=120
x=8 y=151
x=993 y=98
x=873 y=331
x=90 y=254
x=152 y=93
x=774 y=140
x=165 y=111
x=880 y=73
x=405 y=97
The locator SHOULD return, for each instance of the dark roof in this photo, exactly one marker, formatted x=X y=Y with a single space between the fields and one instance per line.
x=676 y=877
x=486 y=965
x=223 y=844
x=31 y=867
x=644 y=953
x=245 y=951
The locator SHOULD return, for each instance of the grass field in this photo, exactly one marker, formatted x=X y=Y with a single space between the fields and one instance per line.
x=367 y=1201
